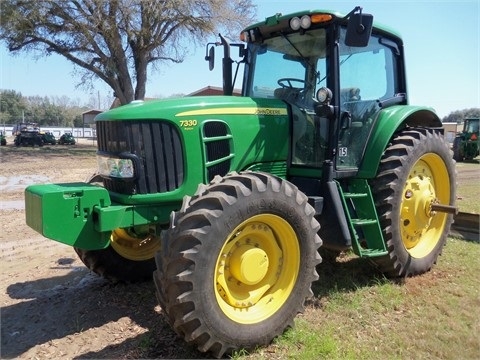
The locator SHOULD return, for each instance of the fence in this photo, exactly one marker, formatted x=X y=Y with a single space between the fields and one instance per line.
x=59 y=131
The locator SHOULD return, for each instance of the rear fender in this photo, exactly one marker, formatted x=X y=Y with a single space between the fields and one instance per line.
x=388 y=122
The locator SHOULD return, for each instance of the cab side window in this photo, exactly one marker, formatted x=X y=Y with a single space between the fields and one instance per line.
x=366 y=76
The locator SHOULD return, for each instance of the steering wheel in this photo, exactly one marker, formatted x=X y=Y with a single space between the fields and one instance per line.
x=287 y=83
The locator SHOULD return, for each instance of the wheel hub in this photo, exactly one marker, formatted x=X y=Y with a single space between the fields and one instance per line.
x=133 y=246
x=416 y=210
x=257 y=268
x=249 y=264
x=427 y=184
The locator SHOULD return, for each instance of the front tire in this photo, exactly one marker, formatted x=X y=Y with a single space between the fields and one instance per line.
x=238 y=262
x=415 y=172
x=129 y=258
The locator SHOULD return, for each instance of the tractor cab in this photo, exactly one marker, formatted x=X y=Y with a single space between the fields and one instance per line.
x=470 y=126
x=466 y=145
x=364 y=80
x=333 y=74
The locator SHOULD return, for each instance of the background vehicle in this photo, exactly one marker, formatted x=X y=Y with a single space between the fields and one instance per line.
x=228 y=199
x=28 y=134
x=48 y=138
x=66 y=139
x=466 y=145
x=3 y=138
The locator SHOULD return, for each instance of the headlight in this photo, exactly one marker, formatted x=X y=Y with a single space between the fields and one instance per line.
x=115 y=167
x=305 y=22
x=295 y=23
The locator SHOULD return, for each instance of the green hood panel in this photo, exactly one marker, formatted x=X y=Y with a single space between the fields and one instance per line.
x=194 y=105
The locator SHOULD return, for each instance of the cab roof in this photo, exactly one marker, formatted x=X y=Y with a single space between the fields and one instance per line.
x=277 y=21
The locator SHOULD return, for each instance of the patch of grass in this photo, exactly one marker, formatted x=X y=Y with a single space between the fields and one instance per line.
x=146 y=342
x=304 y=342
x=358 y=314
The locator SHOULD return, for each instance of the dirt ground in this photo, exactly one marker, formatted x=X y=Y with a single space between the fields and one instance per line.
x=51 y=305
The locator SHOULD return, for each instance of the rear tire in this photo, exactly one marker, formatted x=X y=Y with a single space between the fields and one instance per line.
x=238 y=262
x=416 y=170
x=457 y=151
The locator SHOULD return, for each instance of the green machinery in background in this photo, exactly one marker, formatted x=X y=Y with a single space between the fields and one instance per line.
x=466 y=144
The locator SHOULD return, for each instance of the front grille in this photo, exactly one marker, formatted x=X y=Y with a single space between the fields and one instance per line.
x=217 y=140
x=157 y=150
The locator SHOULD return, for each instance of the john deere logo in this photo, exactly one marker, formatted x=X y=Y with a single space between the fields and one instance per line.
x=236 y=111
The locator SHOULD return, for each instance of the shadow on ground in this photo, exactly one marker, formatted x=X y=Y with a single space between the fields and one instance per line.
x=59 y=307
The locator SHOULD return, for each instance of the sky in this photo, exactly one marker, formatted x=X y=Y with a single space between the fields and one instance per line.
x=441 y=47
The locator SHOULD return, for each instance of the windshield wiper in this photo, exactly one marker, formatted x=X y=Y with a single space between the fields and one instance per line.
x=306 y=61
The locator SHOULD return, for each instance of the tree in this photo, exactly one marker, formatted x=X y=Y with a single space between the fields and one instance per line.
x=54 y=111
x=117 y=40
x=12 y=106
x=459 y=115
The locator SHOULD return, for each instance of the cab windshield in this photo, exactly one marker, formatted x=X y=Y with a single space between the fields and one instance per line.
x=471 y=125
x=288 y=67
x=291 y=68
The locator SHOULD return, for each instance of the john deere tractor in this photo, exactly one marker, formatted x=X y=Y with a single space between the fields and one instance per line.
x=466 y=145
x=3 y=138
x=66 y=139
x=227 y=199
x=48 y=137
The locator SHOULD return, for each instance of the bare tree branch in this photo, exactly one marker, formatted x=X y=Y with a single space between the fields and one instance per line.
x=116 y=40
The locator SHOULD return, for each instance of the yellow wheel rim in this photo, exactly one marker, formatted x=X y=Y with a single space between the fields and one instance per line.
x=427 y=183
x=137 y=246
x=257 y=269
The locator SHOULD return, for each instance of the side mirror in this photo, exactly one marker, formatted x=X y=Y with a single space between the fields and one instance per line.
x=241 y=51
x=359 y=29
x=210 y=57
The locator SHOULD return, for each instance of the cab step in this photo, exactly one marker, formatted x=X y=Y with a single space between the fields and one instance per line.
x=359 y=207
x=361 y=222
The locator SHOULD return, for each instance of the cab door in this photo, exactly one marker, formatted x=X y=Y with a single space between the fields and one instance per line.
x=367 y=77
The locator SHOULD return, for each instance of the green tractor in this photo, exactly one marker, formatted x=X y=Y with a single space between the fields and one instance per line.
x=228 y=199
x=3 y=138
x=466 y=145
x=66 y=139
x=48 y=137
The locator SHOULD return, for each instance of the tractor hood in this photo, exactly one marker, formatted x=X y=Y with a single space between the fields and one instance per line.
x=208 y=136
x=194 y=106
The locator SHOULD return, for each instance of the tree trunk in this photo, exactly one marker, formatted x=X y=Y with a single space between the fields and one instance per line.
x=141 y=78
